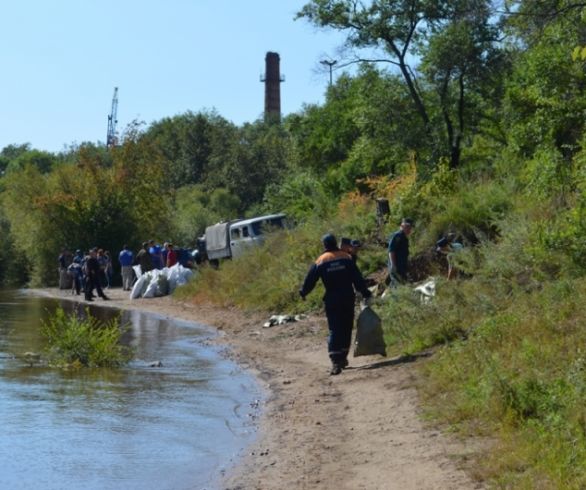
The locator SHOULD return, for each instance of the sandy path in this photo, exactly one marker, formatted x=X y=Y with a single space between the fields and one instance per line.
x=358 y=430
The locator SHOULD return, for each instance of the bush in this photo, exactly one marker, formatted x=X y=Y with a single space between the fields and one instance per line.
x=76 y=342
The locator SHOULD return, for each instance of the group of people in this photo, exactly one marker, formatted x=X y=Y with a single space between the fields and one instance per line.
x=337 y=269
x=153 y=256
x=93 y=270
x=89 y=272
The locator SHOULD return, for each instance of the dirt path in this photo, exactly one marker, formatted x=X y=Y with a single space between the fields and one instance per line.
x=358 y=430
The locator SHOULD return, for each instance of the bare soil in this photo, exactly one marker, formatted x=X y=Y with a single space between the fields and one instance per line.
x=361 y=429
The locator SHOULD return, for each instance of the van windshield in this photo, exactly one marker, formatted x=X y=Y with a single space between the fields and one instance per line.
x=260 y=227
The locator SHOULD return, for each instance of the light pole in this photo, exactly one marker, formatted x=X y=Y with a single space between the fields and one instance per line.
x=330 y=64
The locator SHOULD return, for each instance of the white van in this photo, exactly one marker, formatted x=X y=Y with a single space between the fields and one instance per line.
x=231 y=238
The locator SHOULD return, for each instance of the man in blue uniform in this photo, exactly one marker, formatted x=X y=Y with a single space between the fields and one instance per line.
x=340 y=276
x=399 y=253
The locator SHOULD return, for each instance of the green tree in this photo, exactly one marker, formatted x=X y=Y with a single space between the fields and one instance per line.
x=458 y=61
x=546 y=100
x=256 y=158
x=195 y=209
x=10 y=153
x=323 y=135
x=190 y=143
x=367 y=126
x=43 y=160
x=84 y=204
x=408 y=31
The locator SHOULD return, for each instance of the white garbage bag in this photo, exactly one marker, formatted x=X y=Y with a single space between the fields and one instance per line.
x=173 y=277
x=139 y=286
x=162 y=285
x=151 y=288
x=184 y=276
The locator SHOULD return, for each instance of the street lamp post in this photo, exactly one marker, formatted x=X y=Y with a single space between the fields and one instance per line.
x=330 y=64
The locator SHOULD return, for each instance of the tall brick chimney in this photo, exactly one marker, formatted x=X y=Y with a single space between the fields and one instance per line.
x=272 y=80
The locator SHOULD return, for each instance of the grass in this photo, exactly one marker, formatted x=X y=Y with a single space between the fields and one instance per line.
x=509 y=336
x=76 y=342
x=266 y=278
x=520 y=374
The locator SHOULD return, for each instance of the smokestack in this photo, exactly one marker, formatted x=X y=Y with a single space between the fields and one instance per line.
x=272 y=80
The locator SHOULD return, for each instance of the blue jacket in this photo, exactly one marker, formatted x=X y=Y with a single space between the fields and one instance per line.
x=339 y=275
x=125 y=258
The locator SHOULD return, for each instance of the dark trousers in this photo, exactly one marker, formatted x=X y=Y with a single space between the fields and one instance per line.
x=91 y=283
x=77 y=283
x=340 y=315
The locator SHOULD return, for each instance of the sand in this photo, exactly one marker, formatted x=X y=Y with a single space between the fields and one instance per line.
x=361 y=429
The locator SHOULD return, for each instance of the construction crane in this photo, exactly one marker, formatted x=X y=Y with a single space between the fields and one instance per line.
x=111 y=139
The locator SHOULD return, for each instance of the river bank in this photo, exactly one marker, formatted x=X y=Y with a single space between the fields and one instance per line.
x=359 y=430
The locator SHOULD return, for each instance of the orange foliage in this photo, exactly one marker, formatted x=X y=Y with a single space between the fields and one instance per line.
x=351 y=202
x=378 y=187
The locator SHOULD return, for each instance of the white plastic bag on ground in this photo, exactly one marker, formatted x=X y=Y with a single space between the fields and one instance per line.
x=162 y=285
x=426 y=290
x=139 y=286
x=184 y=276
x=151 y=288
x=369 y=334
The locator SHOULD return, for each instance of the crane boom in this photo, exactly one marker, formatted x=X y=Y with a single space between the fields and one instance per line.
x=111 y=139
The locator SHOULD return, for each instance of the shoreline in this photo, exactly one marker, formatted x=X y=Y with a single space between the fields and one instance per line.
x=359 y=430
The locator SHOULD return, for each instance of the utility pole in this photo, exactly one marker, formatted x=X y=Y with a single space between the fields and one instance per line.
x=330 y=64
x=111 y=139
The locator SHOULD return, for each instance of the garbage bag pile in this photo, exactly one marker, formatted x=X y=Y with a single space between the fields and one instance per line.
x=160 y=282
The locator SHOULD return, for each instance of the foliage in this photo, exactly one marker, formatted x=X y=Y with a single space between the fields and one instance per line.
x=545 y=100
x=205 y=149
x=300 y=196
x=14 y=268
x=189 y=143
x=406 y=31
x=83 y=204
x=324 y=135
x=76 y=342
x=195 y=209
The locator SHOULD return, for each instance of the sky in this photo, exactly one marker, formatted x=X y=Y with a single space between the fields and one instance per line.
x=62 y=59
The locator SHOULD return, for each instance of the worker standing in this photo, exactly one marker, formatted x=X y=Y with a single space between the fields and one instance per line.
x=126 y=257
x=340 y=276
x=399 y=253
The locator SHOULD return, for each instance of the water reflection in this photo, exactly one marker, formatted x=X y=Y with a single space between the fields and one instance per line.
x=170 y=427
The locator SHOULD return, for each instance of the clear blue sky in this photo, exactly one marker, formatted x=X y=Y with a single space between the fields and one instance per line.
x=61 y=60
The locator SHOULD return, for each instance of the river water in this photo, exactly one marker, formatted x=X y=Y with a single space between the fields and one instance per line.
x=139 y=427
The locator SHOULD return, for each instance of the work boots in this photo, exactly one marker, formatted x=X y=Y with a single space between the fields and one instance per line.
x=336 y=369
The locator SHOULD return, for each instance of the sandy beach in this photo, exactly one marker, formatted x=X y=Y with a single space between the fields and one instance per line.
x=359 y=430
